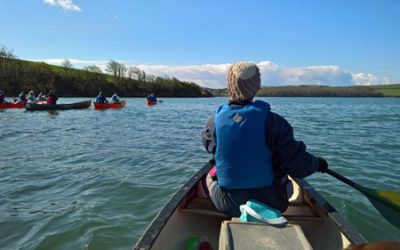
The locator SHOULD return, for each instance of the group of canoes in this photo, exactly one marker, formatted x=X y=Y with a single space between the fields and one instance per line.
x=49 y=102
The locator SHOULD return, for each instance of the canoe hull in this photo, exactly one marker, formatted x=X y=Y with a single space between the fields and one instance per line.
x=151 y=102
x=42 y=107
x=11 y=106
x=186 y=214
x=109 y=105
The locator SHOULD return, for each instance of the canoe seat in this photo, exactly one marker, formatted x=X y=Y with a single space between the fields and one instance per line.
x=258 y=236
x=203 y=206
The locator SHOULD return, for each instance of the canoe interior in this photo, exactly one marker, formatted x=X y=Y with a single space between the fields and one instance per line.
x=191 y=214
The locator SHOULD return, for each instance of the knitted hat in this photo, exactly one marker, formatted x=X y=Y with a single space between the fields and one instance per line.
x=244 y=81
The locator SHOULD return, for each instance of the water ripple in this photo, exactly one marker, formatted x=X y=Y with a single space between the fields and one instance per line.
x=89 y=179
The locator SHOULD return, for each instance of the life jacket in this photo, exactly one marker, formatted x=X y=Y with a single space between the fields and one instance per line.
x=101 y=99
x=51 y=99
x=243 y=159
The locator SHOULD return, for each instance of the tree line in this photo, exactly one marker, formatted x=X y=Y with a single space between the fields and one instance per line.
x=320 y=91
x=310 y=91
x=18 y=75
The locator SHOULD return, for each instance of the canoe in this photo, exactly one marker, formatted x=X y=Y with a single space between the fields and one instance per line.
x=151 y=102
x=64 y=106
x=12 y=105
x=109 y=105
x=312 y=223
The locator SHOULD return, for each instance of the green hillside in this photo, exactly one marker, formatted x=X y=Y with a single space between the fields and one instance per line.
x=19 y=75
x=392 y=90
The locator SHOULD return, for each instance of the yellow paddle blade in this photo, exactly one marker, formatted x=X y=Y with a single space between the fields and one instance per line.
x=386 y=202
x=393 y=197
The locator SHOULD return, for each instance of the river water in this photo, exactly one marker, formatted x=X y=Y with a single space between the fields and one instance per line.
x=88 y=179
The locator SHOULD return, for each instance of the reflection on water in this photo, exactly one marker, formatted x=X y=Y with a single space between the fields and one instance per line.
x=53 y=113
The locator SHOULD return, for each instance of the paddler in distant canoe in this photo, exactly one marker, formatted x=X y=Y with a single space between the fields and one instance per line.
x=41 y=97
x=51 y=97
x=100 y=98
x=254 y=148
x=151 y=98
x=31 y=96
x=2 y=97
x=21 y=98
x=115 y=98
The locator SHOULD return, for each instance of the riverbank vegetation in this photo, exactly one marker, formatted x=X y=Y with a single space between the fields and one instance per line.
x=392 y=90
x=19 y=75
x=129 y=81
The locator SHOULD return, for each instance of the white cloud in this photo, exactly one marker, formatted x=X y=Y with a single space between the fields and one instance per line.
x=65 y=4
x=369 y=79
x=208 y=75
x=214 y=75
x=315 y=75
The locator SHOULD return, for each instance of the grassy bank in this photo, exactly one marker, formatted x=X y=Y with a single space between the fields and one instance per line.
x=392 y=90
x=19 y=75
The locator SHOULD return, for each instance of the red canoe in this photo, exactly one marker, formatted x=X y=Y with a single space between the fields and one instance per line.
x=151 y=102
x=12 y=105
x=109 y=105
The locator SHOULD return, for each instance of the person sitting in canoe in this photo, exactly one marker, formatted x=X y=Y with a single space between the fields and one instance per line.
x=100 y=98
x=254 y=148
x=51 y=97
x=151 y=98
x=21 y=98
x=115 y=98
x=2 y=97
x=41 y=97
x=31 y=96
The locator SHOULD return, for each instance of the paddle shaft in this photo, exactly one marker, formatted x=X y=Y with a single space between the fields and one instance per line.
x=342 y=178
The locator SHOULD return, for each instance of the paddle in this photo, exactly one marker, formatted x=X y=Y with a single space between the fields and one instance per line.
x=386 y=202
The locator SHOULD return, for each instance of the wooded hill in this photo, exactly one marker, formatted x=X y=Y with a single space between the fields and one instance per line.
x=392 y=90
x=19 y=75
x=128 y=81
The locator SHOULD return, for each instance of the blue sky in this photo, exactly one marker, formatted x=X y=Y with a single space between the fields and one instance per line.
x=343 y=42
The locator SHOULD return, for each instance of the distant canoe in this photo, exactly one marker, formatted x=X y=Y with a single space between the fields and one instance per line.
x=64 y=106
x=148 y=102
x=12 y=105
x=109 y=105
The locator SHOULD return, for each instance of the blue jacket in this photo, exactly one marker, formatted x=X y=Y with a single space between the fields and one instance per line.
x=101 y=99
x=243 y=159
x=289 y=154
x=114 y=98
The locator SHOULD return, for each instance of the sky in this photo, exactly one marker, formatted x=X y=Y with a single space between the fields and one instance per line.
x=338 y=43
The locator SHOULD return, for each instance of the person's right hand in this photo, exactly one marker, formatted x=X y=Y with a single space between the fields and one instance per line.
x=323 y=165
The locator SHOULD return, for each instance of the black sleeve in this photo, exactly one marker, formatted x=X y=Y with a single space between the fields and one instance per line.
x=291 y=154
x=208 y=135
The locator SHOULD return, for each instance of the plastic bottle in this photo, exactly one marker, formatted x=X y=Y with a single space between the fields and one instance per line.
x=205 y=245
x=193 y=243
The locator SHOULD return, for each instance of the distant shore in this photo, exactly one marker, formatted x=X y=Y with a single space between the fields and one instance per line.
x=20 y=75
x=392 y=90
